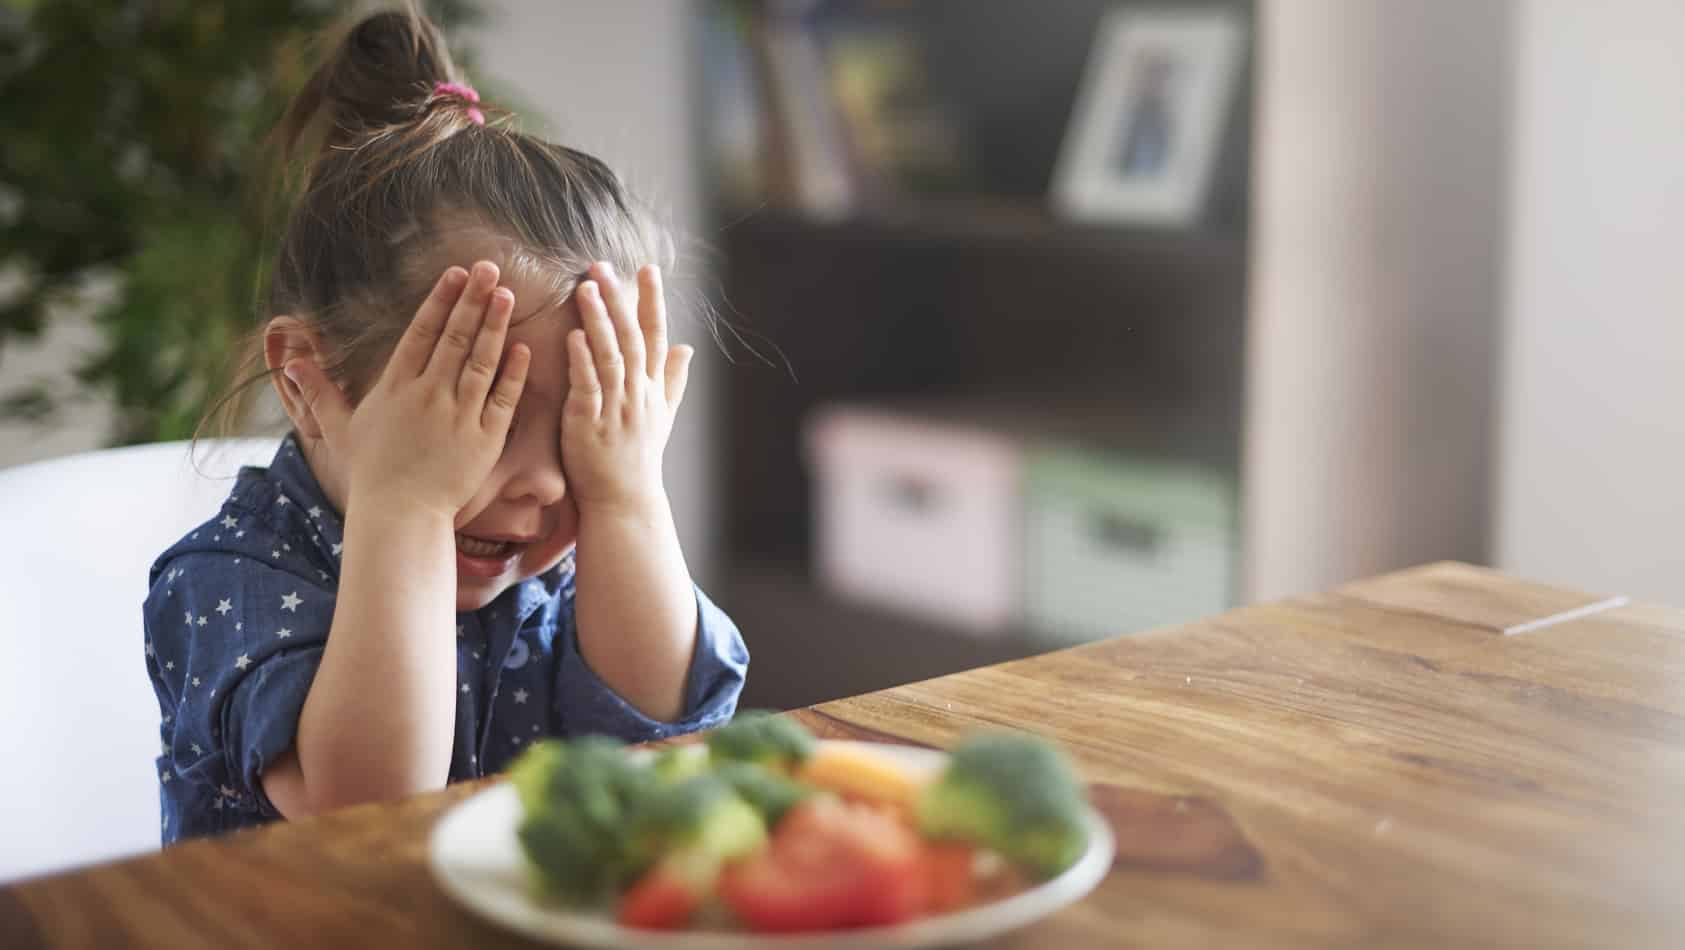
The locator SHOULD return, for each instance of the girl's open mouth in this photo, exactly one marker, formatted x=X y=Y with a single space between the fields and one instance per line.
x=481 y=557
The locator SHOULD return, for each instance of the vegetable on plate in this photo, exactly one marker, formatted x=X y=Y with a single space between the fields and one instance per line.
x=762 y=825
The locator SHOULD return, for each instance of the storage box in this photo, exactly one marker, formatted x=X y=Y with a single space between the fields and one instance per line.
x=1115 y=545
x=918 y=515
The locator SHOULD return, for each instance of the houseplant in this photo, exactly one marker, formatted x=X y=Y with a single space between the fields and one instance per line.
x=136 y=190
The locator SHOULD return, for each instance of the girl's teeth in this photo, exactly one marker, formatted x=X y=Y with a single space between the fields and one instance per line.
x=475 y=547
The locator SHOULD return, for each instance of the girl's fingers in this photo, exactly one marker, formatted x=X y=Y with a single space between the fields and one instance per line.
x=506 y=395
x=678 y=374
x=622 y=304
x=652 y=316
x=599 y=333
x=480 y=369
x=585 y=388
x=416 y=345
x=322 y=396
x=463 y=327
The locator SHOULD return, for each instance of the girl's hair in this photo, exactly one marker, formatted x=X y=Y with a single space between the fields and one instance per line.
x=394 y=166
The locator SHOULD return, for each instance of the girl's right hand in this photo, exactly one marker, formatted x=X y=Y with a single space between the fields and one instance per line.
x=429 y=431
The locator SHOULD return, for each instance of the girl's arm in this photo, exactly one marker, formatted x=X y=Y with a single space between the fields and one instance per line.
x=379 y=720
x=634 y=605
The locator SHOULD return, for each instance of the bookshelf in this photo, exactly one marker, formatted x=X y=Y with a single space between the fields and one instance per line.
x=982 y=292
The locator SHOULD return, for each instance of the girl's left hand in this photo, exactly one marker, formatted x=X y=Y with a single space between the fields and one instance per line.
x=625 y=385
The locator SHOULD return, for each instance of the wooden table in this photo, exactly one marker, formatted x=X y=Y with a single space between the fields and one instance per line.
x=1439 y=757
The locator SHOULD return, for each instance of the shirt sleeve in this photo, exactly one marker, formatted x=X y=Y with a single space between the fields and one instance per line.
x=237 y=645
x=717 y=671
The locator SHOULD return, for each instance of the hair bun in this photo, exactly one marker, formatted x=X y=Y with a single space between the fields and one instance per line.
x=382 y=72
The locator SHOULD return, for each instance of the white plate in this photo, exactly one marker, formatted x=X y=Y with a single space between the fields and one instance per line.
x=477 y=860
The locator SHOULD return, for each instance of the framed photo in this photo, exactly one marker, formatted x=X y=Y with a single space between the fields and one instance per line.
x=1149 y=117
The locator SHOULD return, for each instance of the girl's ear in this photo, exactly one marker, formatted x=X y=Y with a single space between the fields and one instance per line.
x=287 y=338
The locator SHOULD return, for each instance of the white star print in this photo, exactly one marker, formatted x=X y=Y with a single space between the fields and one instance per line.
x=275 y=554
x=240 y=533
x=237 y=560
x=164 y=777
x=228 y=521
x=535 y=727
x=514 y=740
x=167 y=719
x=336 y=549
x=224 y=606
x=217 y=804
x=315 y=512
x=283 y=633
x=203 y=620
x=242 y=662
x=196 y=749
x=237 y=626
x=323 y=573
x=459 y=630
x=171 y=577
x=227 y=792
x=521 y=696
x=195 y=535
x=465 y=687
x=150 y=649
x=291 y=601
x=216 y=537
x=283 y=500
x=190 y=616
x=286 y=547
x=195 y=681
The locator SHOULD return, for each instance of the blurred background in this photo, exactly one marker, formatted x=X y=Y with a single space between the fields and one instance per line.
x=1040 y=322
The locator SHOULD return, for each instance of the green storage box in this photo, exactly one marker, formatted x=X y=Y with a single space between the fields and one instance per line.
x=1116 y=545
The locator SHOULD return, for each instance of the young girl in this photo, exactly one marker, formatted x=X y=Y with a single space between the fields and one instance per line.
x=472 y=349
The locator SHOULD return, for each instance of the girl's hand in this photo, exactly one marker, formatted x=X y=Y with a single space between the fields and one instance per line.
x=625 y=386
x=429 y=431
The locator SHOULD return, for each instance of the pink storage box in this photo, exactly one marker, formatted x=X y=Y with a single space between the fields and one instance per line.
x=918 y=515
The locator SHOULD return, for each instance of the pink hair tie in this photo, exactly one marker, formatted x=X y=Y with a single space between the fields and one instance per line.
x=467 y=94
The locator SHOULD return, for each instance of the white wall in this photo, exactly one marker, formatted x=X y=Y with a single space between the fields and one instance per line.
x=611 y=77
x=1377 y=225
x=1591 y=483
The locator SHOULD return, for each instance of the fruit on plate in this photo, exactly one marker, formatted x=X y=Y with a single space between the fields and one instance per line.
x=856 y=771
x=831 y=864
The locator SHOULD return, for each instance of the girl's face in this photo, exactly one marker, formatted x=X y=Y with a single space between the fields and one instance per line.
x=523 y=520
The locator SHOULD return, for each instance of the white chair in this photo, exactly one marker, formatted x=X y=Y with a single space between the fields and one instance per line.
x=78 y=720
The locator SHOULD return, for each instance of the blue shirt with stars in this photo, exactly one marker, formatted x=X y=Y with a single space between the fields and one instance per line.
x=238 y=615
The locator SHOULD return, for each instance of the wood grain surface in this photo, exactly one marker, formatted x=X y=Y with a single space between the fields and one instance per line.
x=1379 y=765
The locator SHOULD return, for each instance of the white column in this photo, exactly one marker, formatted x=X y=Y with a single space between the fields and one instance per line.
x=1377 y=217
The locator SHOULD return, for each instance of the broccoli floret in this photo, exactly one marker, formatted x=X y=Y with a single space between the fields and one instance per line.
x=763 y=739
x=769 y=793
x=679 y=762
x=698 y=815
x=577 y=798
x=1014 y=793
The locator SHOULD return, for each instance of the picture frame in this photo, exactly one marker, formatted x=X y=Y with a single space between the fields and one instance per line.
x=1149 y=117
